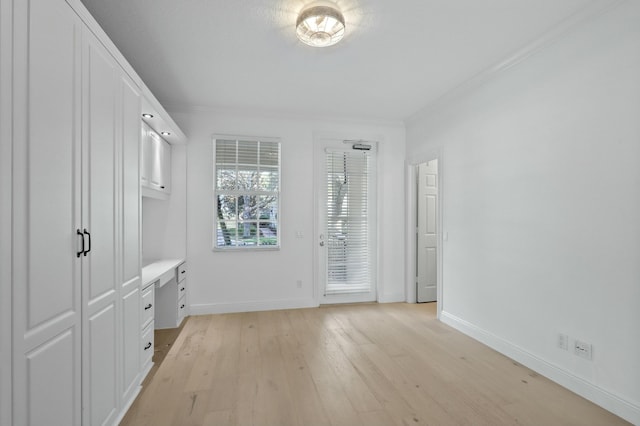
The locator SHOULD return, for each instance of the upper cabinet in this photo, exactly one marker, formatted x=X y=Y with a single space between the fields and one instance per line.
x=159 y=133
x=155 y=171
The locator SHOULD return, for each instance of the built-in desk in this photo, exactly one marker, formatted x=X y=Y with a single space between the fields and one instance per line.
x=169 y=277
x=163 y=270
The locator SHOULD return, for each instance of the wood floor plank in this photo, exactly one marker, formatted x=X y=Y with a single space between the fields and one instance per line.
x=349 y=365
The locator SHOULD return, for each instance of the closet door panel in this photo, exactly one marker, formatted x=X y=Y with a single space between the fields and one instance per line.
x=100 y=386
x=53 y=365
x=130 y=237
x=53 y=164
x=131 y=128
x=46 y=279
x=101 y=299
x=100 y=176
x=131 y=342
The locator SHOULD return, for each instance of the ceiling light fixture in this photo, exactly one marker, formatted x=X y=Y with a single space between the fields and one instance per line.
x=320 y=26
x=165 y=134
x=145 y=115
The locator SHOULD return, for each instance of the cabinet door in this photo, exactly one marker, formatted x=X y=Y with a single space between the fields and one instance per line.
x=130 y=278
x=46 y=212
x=130 y=344
x=155 y=160
x=100 y=287
x=165 y=162
x=146 y=156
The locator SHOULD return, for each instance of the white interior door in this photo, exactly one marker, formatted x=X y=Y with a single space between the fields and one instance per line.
x=427 y=241
x=346 y=222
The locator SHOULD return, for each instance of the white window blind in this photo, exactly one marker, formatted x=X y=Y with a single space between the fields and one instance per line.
x=246 y=193
x=349 y=221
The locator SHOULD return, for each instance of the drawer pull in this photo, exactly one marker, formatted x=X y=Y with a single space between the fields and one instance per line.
x=183 y=272
x=182 y=306
x=182 y=289
x=148 y=346
x=148 y=306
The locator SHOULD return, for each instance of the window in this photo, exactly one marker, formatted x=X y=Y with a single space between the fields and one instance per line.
x=246 y=193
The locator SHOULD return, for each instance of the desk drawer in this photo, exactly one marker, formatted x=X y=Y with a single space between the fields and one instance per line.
x=182 y=309
x=181 y=271
x=147 y=342
x=182 y=289
x=147 y=305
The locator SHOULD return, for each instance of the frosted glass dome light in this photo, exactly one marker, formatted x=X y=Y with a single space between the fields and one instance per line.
x=320 y=26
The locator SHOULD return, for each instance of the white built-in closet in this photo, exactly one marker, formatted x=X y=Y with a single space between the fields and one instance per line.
x=75 y=219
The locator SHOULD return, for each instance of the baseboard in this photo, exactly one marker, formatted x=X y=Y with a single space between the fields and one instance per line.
x=266 y=305
x=392 y=298
x=625 y=409
x=128 y=405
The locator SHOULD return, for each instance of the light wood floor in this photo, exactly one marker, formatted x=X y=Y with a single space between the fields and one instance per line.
x=386 y=365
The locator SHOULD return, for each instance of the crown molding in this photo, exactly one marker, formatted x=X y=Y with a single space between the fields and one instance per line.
x=592 y=11
x=281 y=114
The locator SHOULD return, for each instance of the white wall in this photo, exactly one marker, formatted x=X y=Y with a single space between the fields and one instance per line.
x=541 y=200
x=164 y=222
x=227 y=282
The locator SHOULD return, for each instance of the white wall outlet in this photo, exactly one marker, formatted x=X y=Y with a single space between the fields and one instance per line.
x=583 y=350
x=299 y=283
x=563 y=341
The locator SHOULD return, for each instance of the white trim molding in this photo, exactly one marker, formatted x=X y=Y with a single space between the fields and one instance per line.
x=251 y=306
x=6 y=259
x=605 y=399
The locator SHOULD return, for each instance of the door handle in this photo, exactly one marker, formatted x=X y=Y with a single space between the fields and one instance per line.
x=148 y=307
x=89 y=235
x=78 y=253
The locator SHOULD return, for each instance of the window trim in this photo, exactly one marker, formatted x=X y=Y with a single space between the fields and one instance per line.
x=237 y=192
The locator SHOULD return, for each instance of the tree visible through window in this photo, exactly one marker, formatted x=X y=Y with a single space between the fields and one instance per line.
x=246 y=193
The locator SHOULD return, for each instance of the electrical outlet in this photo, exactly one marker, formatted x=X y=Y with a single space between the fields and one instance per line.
x=563 y=341
x=583 y=350
x=299 y=283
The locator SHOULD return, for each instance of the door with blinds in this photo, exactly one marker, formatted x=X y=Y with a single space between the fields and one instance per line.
x=347 y=222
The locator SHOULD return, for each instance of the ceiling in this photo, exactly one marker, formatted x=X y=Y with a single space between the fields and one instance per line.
x=396 y=58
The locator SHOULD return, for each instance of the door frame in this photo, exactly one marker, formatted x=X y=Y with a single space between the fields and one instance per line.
x=412 y=224
x=318 y=156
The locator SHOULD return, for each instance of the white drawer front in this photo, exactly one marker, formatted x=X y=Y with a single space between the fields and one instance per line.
x=181 y=272
x=182 y=309
x=147 y=305
x=182 y=289
x=146 y=348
